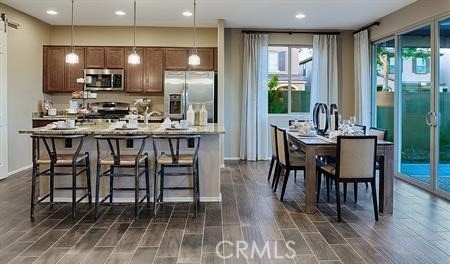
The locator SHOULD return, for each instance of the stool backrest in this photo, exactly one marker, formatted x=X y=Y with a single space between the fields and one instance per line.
x=50 y=142
x=356 y=156
x=114 y=143
x=174 y=145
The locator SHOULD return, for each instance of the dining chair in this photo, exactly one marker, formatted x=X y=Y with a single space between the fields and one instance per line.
x=360 y=127
x=274 y=160
x=287 y=161
x=349 y=149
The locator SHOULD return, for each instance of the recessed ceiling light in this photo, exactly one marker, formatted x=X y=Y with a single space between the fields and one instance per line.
x=300 y=16
x=51 y=12
x=187 y=13
x=120 y=13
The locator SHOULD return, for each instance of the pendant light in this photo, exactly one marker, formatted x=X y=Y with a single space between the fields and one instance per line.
x=134 y=58
x=194 y=59
x=72 y=57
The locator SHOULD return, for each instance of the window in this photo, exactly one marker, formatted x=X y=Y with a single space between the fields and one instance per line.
x=391 y=65
x=289 y=84
x=421 y=65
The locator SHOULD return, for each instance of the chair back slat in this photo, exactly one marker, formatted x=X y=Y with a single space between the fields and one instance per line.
x=356 y=156
x=380 y=133
x=282 y=147
x=273 y=139
x=114 y=143
x=360 y=128
x=175 y=150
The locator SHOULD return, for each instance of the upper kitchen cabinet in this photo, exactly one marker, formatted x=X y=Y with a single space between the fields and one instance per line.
x=95 y=57
x=74 y=71
x=176 y=59
x=154 y=70
x=206 y=59
x=134 y=73
x=115 y=58
x=54 y=63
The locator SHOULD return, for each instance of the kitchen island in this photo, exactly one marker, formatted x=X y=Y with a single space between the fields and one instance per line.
x=209 y=159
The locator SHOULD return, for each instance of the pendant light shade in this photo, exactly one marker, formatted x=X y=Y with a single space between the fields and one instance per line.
x=72 y=57
x=194 y=59
x=134 y=58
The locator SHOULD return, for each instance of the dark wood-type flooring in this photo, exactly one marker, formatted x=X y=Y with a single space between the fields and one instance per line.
x=417 y=232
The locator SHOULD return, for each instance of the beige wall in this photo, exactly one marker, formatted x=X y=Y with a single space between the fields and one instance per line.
x=24 y=81
x=233 y=80
x=409 y=16
x=123 y=36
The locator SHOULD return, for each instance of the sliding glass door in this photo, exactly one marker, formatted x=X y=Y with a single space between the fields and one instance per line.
x=416 y=97
x=443 y=97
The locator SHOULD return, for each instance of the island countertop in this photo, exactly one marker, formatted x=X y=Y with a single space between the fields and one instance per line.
x=104 y=129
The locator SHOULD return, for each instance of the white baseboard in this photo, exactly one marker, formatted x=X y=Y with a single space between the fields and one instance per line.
x=131 y=199
x=232 y=158
x=20 y=170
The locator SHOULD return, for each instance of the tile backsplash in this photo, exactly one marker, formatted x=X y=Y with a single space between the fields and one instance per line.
x=61 y=101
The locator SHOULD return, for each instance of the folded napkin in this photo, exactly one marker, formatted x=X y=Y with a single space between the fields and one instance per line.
x=166 y=123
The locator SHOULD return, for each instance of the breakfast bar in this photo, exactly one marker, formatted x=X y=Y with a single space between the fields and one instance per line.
x=208 y=156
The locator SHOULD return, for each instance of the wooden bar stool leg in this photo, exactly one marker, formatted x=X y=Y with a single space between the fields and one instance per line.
x=33 y=190
x=136 y=191
x=88 y=178
x=155 y=190
x=111 y=184
x=161 y=185
x=147 y=181
x=97 y=189
x=74 y=190
x=52 y=183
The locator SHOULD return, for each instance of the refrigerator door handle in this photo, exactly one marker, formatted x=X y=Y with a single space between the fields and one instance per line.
x=185 y=99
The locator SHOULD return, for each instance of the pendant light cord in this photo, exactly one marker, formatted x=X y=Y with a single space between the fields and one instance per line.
x=195 y=36
x=134 y=37
x=71 y=34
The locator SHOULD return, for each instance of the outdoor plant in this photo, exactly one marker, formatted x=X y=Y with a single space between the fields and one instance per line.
x=276 y=97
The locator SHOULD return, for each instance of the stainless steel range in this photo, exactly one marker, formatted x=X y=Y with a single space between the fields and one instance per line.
x=108 y=111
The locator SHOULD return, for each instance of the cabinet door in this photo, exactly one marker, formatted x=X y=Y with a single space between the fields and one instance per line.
x=134 y=73
x=95 y=57
x=54 y=63
x=206 y=59
x=74 y=71
x=176 y=59
x=154 y=70
x=115 y=58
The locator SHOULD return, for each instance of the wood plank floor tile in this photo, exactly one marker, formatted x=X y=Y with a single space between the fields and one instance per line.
x=130 y=241
x=306 y=259
x=212 y=258
x=88 y=241
x=303 y=223
x=165 y=260
x=119 y=258
x=112 y=237
x=170 y=243
x=368 y=253
x=195 y=225
x=144 y=255
x=23 y=260
x=191 y=249
x=98 y=255
x=153 y=235
x=211 y=237
x=329 y=233
x=319 y=246
x=14 y=250
x=44 y=243
x=10 y=237
x=300 y=246
x=40 y=230
x=347 y=254
x=72 y=236
x=72 y=259
x=51 y=256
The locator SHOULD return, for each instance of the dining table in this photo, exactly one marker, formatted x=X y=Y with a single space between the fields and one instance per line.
x=316 y=145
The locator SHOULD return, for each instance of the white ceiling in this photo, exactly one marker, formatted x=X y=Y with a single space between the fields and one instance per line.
x=320 y=14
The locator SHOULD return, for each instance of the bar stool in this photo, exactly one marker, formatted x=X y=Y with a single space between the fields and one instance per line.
x=114 y=159
x=176 y=160
x=55 y=160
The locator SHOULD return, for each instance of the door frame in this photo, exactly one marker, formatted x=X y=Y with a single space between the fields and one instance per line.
x=3 y=101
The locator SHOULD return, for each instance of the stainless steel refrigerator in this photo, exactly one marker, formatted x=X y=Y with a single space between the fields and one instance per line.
x=184 y=88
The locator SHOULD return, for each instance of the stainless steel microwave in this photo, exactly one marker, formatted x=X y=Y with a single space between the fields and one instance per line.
x=103 y=80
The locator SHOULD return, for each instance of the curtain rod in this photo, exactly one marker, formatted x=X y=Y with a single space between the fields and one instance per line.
x=290 y=32
x=376 y=23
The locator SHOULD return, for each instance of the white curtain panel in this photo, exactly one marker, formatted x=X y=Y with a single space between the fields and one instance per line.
x=324 y=83
x=254 y=121
x=362 y=77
